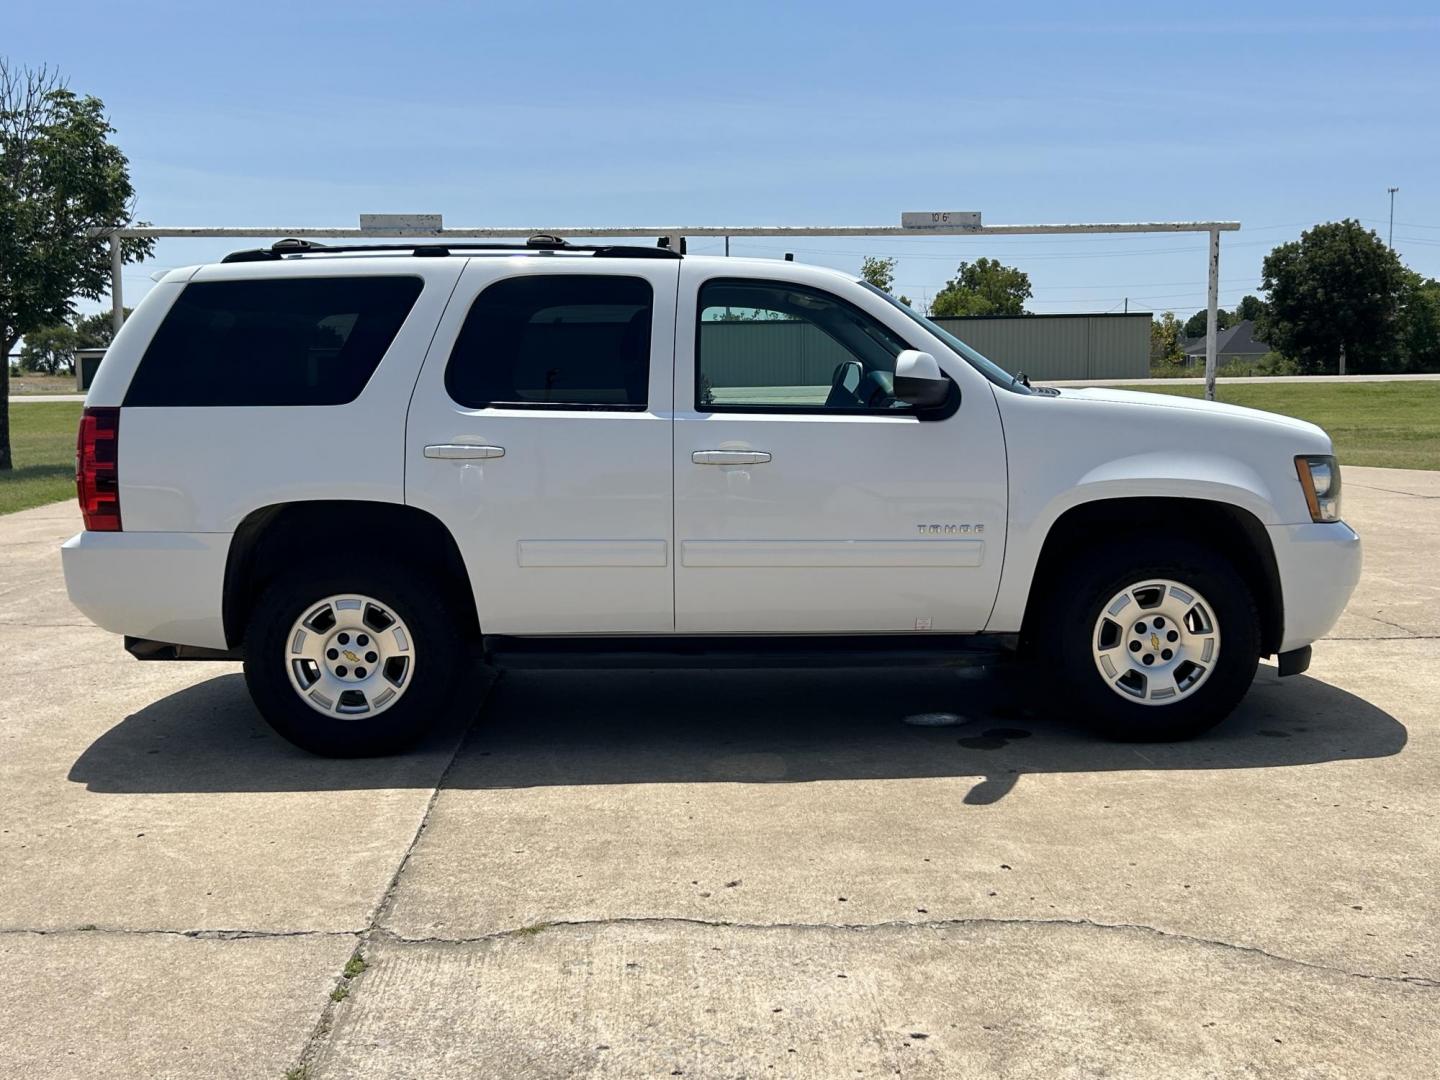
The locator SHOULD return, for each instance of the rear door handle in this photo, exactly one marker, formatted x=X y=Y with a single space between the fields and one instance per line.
x=462 y=451
x=730 y=457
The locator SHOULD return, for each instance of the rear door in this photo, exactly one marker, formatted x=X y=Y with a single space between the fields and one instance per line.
x=539 y=433
x=807 y=499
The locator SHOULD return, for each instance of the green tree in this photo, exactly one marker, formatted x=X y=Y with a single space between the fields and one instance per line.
x=1252 y=308
x=60 y=177
x=1165 y=344
x=50 y=350
x=984 y=287
x=1195 y=325
x=1338 y=287
x=880 y=272
x=1420 y=323
x=96 y=331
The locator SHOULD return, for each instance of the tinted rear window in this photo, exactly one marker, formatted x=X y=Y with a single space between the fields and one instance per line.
x=286 y=341
x=557 y=341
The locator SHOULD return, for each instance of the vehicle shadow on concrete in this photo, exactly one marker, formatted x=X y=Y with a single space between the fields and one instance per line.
x=638 y=727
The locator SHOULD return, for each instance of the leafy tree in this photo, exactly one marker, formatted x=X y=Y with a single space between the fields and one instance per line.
x=1249 y=308
x=880 y=272
x=1165 y=341
x=1195 y=325
x=1338 y=287
x=1252 y=308
x=1420 y=323
x=96 y=331
x=51 y=349
x=59 y=178
x=984 y=287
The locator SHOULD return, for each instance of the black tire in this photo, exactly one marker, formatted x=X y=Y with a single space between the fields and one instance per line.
x=438 y=650
x=1098 y=575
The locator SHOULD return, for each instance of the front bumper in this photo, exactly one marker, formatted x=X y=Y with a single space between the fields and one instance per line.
x=164 y=586
x=1319 y=566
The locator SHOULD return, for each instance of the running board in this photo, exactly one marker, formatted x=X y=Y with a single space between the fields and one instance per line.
x=748 y=651
x=145 y=649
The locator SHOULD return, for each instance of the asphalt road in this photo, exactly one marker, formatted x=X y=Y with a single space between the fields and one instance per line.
x=726 y=874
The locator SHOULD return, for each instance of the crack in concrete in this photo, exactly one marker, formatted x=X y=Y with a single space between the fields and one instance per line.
x=315 y=1045
x=905 y=924
x=197 y=934
x=1412 y=637
x=1393 y=491
x=364 y=935
x=1395 y=625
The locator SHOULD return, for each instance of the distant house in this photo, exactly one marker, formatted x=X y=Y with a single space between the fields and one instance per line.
x=1237 y=343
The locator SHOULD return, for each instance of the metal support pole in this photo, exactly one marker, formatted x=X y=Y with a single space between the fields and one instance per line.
x=117 y=294
x=1212 y=305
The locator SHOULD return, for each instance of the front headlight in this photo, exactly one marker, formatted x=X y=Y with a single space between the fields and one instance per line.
x=1320 y=479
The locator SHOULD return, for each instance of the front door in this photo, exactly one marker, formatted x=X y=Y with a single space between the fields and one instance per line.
x=807 y=498
x=539 y=434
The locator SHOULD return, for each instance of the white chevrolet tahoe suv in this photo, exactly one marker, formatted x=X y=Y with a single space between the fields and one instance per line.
x=362 y=469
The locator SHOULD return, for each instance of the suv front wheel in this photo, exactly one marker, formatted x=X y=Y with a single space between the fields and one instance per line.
x=353 y=663
x=1155 y=641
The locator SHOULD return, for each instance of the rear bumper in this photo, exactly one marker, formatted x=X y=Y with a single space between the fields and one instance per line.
x=164 y=586
x=1319 y=566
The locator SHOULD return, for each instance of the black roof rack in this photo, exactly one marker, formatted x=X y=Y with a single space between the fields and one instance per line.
x=539 y=242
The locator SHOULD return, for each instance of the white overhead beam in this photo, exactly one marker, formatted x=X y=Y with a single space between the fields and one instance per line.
x=498 y=232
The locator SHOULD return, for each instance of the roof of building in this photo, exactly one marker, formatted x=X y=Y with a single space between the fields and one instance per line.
x=1237 y=340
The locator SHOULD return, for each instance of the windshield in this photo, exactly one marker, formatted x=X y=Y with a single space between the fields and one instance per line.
x=991 y=370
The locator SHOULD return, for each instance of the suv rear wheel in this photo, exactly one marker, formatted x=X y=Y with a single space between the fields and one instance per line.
x=352 y=663
x=1158 y=640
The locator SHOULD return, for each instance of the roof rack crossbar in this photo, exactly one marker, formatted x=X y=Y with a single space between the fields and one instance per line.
x=540 y=242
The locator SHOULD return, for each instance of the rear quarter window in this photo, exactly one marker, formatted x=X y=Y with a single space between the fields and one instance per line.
x=283 y=341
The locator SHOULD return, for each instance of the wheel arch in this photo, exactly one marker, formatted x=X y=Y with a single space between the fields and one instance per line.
x=1233 y=530
x=264 y=543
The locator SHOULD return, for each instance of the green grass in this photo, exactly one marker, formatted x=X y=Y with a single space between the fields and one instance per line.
x=1395 y=425
x=42 y=446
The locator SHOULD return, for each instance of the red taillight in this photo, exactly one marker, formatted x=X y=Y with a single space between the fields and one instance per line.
x=97 y=469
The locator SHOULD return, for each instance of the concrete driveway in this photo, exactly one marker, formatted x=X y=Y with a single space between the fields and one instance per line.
x=725 y=874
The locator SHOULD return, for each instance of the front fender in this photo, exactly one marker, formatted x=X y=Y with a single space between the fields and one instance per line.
x=1180 y=475
x=1171 y=474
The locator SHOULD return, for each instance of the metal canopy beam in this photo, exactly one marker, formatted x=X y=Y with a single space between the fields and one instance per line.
x=675 y=233
x=487 y=232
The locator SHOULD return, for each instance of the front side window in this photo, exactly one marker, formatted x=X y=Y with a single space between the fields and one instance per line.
x=281 y=341
x=560 y=341
x=773 y=346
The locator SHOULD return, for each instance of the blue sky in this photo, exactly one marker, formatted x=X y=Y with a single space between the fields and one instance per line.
x=310 y=112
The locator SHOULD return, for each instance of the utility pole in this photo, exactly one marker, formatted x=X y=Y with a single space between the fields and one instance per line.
x=1392 y=216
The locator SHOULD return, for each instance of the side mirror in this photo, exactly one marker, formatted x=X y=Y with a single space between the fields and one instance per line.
x=919 y=380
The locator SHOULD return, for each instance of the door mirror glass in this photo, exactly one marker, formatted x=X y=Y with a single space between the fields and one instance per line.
x=919 y=380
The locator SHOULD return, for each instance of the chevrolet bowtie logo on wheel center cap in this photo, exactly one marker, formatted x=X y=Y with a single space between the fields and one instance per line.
x=355 y=659
x=1154 y=643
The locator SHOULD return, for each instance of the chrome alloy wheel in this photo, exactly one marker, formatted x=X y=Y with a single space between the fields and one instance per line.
x=350 y=656
x=1156 y=642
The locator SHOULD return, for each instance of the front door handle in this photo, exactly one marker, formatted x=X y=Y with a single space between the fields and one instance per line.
x=730 y=457
x=462 y=451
